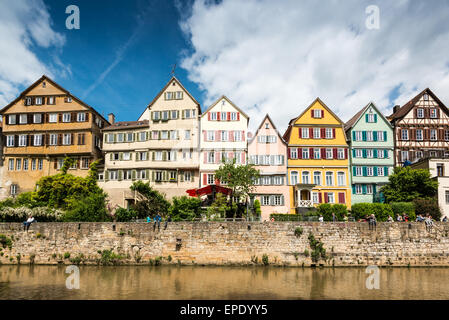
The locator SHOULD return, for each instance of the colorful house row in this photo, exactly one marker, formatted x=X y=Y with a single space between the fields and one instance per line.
x=175 y=146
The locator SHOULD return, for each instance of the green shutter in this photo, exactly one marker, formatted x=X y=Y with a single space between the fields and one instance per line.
x=364 y=153
x=366 y=117
x=385 y=153
x=385 y=135
x=386 y=171
x=153 y=157
x=133 y=175
x=364 y=135
x=147 y=135
x=354 y=153
x=106 y=175
x=164 y=155
x=353 y=135
x=120 y=175
x=120 y=156
x=147 y=174
x=364 y=171
x=375 y=171
x=375 y=153
x=115 y=137
x=183 y=114
x=111 y=156
x=153 y=176
x=375 y=118
x=181 y=176
x=375 y=135
x=353 y=189
x=354 y=171
x=364 y=188
x=374 y=188
x=152 y=115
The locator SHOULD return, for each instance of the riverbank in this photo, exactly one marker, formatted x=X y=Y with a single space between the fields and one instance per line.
x=228 y=243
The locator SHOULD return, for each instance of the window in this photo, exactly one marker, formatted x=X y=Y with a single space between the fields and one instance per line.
x=210 y=135
x=127 y=175
x=369 y=171
x=60 y=163
x=84 y=163
x=156 y=115
x=329 y=178
x=158 y=176
x=277 y=200
x=178 y=95
x=126 y=156
x=173 y=134
x=224 y=135
x=316 y=133
x=67 y=139
x=81 y=117
x=143 y=175
x=211 y=157
x=174 y=114
x=12 y=119
x=380 y=154
x=369 y=153
x=294 y=178
x=380 y=136
x=37 y=139
x=294 y=153
x=187 y=114
x=28 y=101
x=329 y=133
x=358 y=189
x=53 y=117
x=305 y=133
x=113 y=175
x=380 y=171
x=234 y=116
x=305 y=177
x=187 y=154
x=433 y=113
x=358 y=171
x=68 y=99
x=426 y=97
x=171 y=155
x=11 y=164
x=164 y=135
x=267 y=126
x=10 y=141
x=419 y=135
x=187 y=175
x=420 y=113
x=18 y=164
x=158 y=156
x=66 y=117
x=213 y=116
x=142 y=136
x=37 y=118
x=237 y=135
x=341 y=179
x=22 y=140
x=404 y=134
x=316 y=153
x=315 y=198
x=404 y=155
x=317 y=113
x=447 y=196
x=23 y=118
x=330 y=197
x=446 y=135
x=419 y=154
x=358 y=135
x=369 y=136
x=317 y=178
x=210 y=179
x=40 y=164
x=51 y=100
x=53 y=139
x=433 y=134
x=359 y=153
x=14 y=189
x=341 y=153
x=370 y=118
x=305 y=153
x=329 y=154
x=164 y=115
x=265 y=200
x=142 y=156
x=187 y=134
x=369 y=189
x=38 y=101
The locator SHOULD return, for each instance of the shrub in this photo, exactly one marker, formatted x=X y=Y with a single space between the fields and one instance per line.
x=66 y=255
x=380 y=210
x=125 y=215
x=91 y=208
x=20 y=214
x=185 y=208
x=404 y=207
x=265 y=260
x=286 y=217
x=428 y=206
x=5 y=241
x=257 y=209
x=154 y=201
x=318 y=251
x=108 y=257
x=298 y=231
x=326 y=209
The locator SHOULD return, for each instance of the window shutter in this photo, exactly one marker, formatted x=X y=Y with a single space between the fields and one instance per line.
x=72 y=139
x=238 y=116
x=243 y=157
x=375 y=135
x=147 y=174
x=217 y=135
x=204 y=179
x=366 y=118
x=310 y=133
x=133 y=175
x=375 y=153
x=120 y=175
x=438 y=113
x=228 y=115
x=375 y=171
x=341 y=197
x=300 y=133
x=364 y=135
x=346 y=153
x=153 y=156
x=59 y=139
x=311 y=154
x=375 y=118
x=320 y=197
x=364 y=153
x=299 y=153
x=326 y=198
x=164 y=155
x=208 y=116
x=323 y=153
x=364 y=172
x=312 y=113
x=231 y=136
x=288 y=153
x=322 y=113
x=353 y=135
x=354 y=153
x=335 y=153
x=243 y=135
x=354 y=171
x=386 y=171
x=120 y=156
x=353 y=189
x=323 y=133
x=364 y=189
x=59 y=117
x=218 y=116
x=385 y=153
x=153 y=175
x=181 y=176
x=385 y=135
x=333 y=133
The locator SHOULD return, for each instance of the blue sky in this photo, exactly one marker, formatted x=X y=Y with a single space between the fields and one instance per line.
x=267 y=56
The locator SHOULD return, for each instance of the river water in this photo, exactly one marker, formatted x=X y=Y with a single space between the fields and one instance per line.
x=196 y=282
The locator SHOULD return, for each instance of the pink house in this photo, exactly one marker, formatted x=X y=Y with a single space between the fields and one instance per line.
x=267 y=150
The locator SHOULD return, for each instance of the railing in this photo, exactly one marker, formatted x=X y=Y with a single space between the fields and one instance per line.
x=305 y=204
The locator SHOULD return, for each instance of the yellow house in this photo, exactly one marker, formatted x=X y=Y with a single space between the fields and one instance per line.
x=318 y=164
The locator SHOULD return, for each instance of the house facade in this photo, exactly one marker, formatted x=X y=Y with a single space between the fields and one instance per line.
x=42 y=126
x=223 y=134
x=439 y=170
x=371 y=141
x=173 y=140
x=318 y=160
x=267 y=151
x=421 y=129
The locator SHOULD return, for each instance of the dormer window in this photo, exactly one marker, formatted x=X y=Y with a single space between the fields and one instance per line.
x=28 y=101
x=44 y=84
x=266 y=126
x=317 y=113
x=68 y=99
x=426 y=97
x=38 y=100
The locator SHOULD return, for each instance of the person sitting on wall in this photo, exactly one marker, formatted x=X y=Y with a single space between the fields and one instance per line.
x=399 y=219
x=445 y=219
x=321 y=219
x=390 y=219
x=27 y=224
x=148 y=219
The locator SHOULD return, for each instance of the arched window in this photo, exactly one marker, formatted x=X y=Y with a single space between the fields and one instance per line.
x=294 y=178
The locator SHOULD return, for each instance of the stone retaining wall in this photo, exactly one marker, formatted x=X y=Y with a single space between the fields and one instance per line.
x=229 y=243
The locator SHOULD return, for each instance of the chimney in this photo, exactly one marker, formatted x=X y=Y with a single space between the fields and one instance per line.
x=111 y=118
x=396 y=108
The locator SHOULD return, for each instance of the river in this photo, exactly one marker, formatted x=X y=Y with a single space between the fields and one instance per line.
x=196 y=282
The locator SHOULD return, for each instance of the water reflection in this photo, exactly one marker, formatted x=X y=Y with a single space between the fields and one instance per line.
x=173 y=282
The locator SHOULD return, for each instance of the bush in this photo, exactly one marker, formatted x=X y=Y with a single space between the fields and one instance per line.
x=20 y=214
x=400 y=208
x=257 y=209
x=380 y=210
x=185 y=208
x=91 y=208
x=326 y=209
x=5 y=241
x=154 y=202
x=265 y=260
x=125 y=215
x=428 y=206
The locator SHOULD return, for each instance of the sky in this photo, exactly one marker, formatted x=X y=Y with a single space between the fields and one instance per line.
x=267 y=56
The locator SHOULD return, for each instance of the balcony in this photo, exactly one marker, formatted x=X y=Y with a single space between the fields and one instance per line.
x=305 y=204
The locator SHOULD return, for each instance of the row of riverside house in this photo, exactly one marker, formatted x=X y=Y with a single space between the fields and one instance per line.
x=176 y=147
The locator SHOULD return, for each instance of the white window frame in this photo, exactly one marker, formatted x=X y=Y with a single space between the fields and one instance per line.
x=294 y=178
x=341 y=179
x=23 y=118
x=305 y=133
x=53 y=118
x=329 y=174
x=66 y=117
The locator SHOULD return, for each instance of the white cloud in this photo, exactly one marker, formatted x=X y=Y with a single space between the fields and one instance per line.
x=25 y=25
x=276 y=57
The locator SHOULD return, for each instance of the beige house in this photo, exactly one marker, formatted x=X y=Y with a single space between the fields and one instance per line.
x=267 y=150
x=439 y=170
x=42 y=126
x=223 y=134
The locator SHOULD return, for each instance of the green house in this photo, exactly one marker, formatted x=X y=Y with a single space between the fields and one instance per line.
x=371 y=141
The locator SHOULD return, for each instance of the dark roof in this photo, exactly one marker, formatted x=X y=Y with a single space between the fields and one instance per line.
x=46 y=78
x=355 y=118
x=405 y=109
x=125 y=125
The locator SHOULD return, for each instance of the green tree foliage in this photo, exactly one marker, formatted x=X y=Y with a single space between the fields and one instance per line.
x=428 y=206
x=89 y=208
x=406 y=184
x=185 y=208
x=220 y=207
x=125 y=215
x=153 y=203
x=399 y=208
x=326 y=210
x=380 y=210
x=257 y=209
x=240 y=178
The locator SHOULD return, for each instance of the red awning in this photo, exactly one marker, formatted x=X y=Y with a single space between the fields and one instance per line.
x=209 y=190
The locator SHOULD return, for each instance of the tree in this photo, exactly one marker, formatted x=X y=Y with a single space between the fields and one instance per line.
x=185 y=208
x=219 y=207
x=90 y=208
x=257 y=209
x=154 y=202
x=428 y=206
x=406 y=184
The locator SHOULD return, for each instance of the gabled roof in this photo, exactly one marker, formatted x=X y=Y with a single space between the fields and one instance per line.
x=286 y=135
x=353 y=121
x=267 y=117
x=173 y=78
x=230 y=102
x=405 y=109
x=46 y=78
x=124 y=125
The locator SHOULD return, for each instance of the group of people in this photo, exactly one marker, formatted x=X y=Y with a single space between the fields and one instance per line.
x=157 y=221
